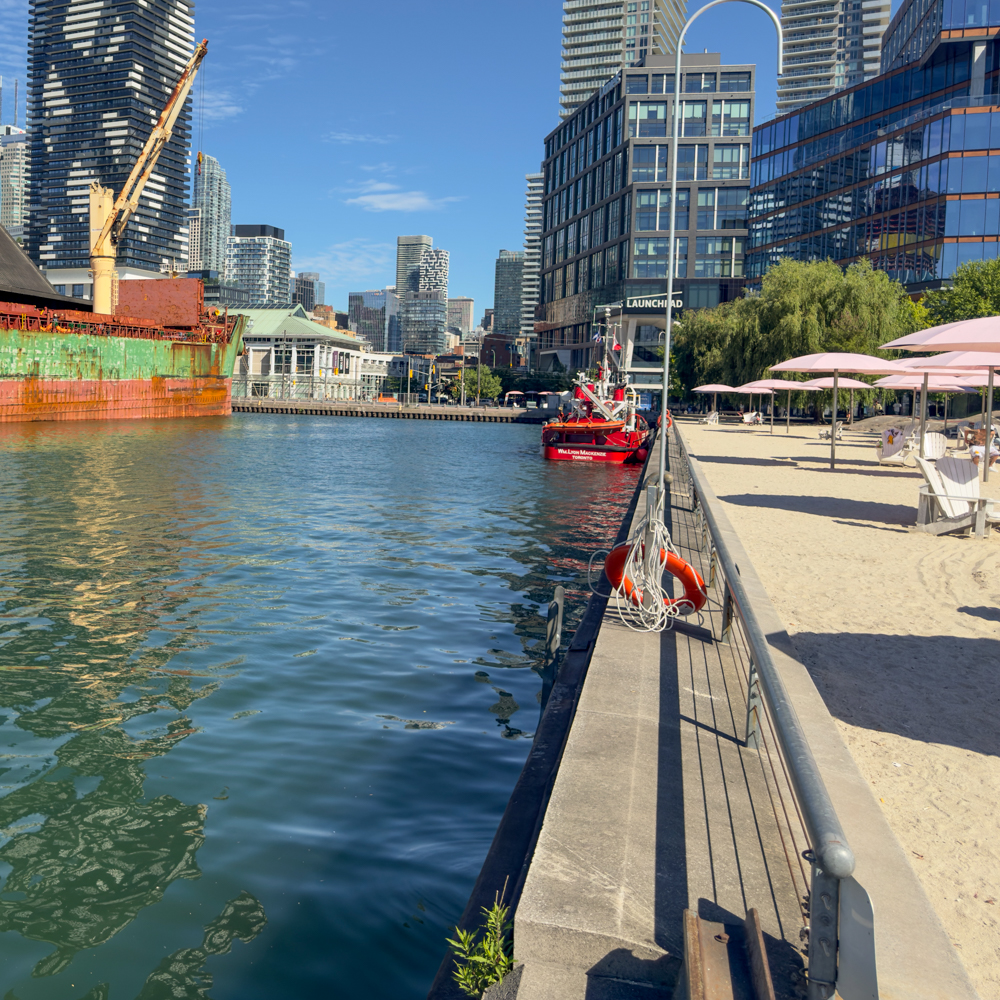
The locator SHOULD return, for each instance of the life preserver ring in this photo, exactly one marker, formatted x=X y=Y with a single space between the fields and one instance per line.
x=670 y=420
x=694 y=597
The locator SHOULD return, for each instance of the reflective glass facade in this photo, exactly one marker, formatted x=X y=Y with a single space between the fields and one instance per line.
x=606 y=201
x=423 y=320
x=905 y=170
x=98 y=78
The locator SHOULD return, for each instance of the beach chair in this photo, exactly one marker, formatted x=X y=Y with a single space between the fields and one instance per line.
x=840 y=431
x=950 y=501
x=935 y=445
x=892 y=449
x=751 y=417
x=711 y=418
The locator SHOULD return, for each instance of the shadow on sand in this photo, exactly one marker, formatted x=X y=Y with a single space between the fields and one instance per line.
x=935 y=689
x=839 y=507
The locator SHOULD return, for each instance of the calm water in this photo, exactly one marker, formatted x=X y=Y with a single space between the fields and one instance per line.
x=265 y=687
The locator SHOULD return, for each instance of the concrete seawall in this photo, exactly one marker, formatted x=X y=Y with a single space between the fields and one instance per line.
x=330 y=408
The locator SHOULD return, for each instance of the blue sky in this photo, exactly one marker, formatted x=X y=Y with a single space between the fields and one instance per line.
x=347 y=132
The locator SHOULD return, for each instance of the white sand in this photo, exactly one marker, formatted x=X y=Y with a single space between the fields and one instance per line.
x=901 y=633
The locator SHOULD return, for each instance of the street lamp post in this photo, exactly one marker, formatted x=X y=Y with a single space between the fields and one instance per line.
x=671 y=249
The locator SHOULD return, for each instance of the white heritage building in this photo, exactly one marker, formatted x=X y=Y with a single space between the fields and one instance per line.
x=288 y=356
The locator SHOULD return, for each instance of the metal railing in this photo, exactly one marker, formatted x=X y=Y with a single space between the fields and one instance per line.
x=838 y=912
x=360 y=388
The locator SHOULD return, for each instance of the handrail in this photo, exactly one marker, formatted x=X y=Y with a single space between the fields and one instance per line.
x=828 y=843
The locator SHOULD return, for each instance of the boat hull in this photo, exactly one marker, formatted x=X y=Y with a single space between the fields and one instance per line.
x=586 y=453
x=32 y=398
x=87 y=367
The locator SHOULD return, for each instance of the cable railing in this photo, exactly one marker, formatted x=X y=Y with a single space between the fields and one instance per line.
x=363 y=388
x=837 y=913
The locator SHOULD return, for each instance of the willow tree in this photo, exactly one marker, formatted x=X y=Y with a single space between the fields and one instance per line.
x=801 y=308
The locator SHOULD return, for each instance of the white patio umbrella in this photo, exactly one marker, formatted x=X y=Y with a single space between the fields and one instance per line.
x=837 y=362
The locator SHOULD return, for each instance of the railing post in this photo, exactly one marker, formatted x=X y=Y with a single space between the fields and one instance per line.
x=727 y=613
x=754 y=707
x=553 y=639
x=824 y=909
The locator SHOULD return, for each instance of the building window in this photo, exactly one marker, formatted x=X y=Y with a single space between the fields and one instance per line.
x=694 y=118
x=635 y=84
x=699 y=83
x=646 y=203
x=597 y=269
x=732 y=208
x=647 y=119
x=560 y=245
x=734 y=82
x=692 y=163
x=60 y=289
x=571 y=240
x=585 y=234
x=649 y=257
x=706 y=208
x=78 y=291
x=282 y=360
x=731 y=162
x=304 y=357
x=735 y=117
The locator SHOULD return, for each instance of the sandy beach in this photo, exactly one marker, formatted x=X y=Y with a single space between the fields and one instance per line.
x=901 y=633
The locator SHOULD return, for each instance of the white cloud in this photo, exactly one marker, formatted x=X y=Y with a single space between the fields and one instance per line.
x=352 y=262
x=218 y=105
x=380 y=196
x=348 y=138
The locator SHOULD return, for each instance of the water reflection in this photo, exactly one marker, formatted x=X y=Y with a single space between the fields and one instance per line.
x=145 y=572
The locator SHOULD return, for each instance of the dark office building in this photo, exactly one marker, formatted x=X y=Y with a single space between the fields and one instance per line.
x=606 y=213
x=96 y=87
x=898 y=169
x=507 y=293
x=373 y=316
x=423 y=320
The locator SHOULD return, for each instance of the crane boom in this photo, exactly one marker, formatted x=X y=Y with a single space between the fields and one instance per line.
x=109 y=215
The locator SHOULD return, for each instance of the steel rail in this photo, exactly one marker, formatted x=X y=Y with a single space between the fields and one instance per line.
x=828 y=843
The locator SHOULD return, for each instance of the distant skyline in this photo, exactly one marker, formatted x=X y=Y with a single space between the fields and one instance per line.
x=393 y=139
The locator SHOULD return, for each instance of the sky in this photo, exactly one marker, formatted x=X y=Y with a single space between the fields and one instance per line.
x=346 y=133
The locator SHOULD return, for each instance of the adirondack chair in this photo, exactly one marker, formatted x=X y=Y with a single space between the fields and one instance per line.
x=711 y=418
x=950 y=500
x=751 y=417
x=892 y=450
x=840 y=431
x=935 y=446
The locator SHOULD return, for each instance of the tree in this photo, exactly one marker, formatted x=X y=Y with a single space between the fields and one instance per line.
x=489 y=384
x=975 y=292
x=801 y=308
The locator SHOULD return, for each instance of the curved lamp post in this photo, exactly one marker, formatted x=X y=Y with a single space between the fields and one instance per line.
x=671 y=250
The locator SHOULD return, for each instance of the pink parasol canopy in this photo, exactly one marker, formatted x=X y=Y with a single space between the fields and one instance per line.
x=982 y=334
x=714 y=388
x=967 y=360
x=837 y=362
x=936 y=383
x=827 y=383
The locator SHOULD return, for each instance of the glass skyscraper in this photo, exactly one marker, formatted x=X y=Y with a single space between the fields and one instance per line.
x=897 y=169
x=213 y=197
x=508 y=276
x=98 y=79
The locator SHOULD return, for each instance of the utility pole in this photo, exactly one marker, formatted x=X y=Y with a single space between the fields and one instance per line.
x=462 y=377
x=479 y=369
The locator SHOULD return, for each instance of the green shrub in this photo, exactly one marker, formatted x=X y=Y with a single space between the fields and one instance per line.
x=480 y=964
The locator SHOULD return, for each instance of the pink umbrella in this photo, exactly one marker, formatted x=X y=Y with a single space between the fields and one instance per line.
x=714 y=390
x=982 y=334
x=837 y=362
x=975 y=335
x=773 y=385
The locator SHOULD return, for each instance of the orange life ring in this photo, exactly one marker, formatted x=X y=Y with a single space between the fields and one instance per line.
x=670 y=420
x=694 y=586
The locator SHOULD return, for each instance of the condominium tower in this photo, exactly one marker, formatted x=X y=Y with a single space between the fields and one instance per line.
x=828 y=47
x=212 y=196
x=13 y=178
x=97 y=82
x=409 y=250
x=507 y=293
x=532 y=251
x=601 y=36
x=460 y=315
x=258 y=258
x=433 y=271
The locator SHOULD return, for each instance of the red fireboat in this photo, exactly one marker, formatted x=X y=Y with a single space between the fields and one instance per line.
x=603 y=426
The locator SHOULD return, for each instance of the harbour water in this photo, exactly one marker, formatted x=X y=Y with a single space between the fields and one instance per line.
x=265 y=687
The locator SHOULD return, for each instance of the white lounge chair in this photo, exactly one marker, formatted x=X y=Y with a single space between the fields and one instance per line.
x=751 y=417
x=892 y=450
x=711 y=418
x=840 y=431
x=950 y=500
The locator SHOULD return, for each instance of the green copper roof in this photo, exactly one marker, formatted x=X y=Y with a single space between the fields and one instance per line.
x=292 y=322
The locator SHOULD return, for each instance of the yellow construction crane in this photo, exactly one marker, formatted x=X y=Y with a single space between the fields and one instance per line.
x=109 y=216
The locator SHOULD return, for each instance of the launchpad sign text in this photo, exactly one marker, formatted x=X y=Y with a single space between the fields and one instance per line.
x=652 y=303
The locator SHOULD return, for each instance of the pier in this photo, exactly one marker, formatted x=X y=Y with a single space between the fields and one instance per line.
x=701 y=783
x=388 y=411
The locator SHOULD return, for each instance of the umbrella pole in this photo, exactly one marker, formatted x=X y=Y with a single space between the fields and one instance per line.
x=852 y=408
x=788 y=414
x=772 y=411
x=946 y=414
x=989 y=427
x=715 y=402
x=833 y=422
x=923 y=413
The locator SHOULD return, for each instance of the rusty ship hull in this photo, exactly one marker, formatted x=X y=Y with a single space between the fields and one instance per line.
x=177 y=360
